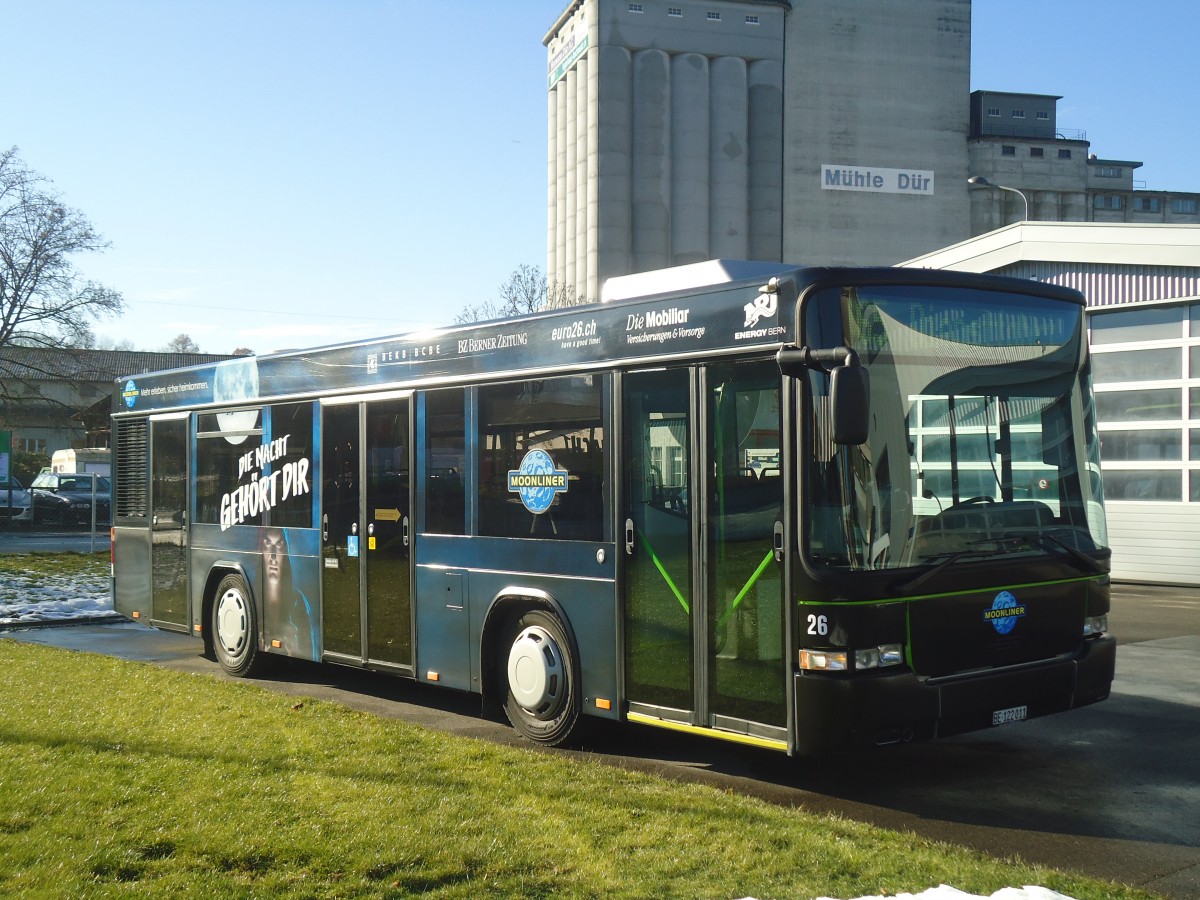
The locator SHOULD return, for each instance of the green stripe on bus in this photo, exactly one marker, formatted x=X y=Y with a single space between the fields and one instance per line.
x=762 y=567
x=663 y=572
x=960 y=593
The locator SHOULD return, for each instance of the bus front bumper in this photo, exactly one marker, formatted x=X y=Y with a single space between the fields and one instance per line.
x=836 y=712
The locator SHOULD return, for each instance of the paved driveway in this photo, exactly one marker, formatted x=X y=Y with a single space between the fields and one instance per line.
x=20 y=540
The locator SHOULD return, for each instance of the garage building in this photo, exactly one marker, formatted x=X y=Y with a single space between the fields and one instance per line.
x=1142 y=284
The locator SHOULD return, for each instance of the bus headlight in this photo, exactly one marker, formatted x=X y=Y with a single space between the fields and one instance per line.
x=823 y=660
x=839 y=660
x=1095 y=625
x=879 y=657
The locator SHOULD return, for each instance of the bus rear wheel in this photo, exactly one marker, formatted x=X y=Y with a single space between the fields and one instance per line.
x=542 y=699
x=235 y=628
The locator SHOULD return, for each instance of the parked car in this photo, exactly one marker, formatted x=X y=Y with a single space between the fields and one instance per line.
x=67 y=498
x=15 y=503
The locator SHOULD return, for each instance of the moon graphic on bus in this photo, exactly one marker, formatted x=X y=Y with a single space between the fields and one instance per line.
x=537 y=481
x=1004 y=613
x=236 y=379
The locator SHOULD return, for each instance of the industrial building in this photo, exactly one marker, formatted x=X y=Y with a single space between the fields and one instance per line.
x=825 y=132
x=680 y=130
x=1039 y=170
x=1142 y=283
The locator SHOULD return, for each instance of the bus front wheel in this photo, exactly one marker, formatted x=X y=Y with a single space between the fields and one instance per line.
x=235 y=628
x=542 y=676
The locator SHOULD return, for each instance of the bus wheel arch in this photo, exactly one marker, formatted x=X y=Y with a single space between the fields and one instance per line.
x=232 y=622
x=530 y=666
x=209 y=596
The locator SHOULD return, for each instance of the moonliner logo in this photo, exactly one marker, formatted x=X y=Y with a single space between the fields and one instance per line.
x=130 y=393
x=762 y=308
x=1004 y=613
x=538 y=481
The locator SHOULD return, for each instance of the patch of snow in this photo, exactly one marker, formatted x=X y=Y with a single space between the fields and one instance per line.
x=945 y=892
x=27 y=599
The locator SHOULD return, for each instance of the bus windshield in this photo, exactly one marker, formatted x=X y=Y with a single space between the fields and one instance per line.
x=982 y=437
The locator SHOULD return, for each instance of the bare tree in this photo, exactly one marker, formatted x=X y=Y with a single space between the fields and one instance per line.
x=83 y=338
x=43 y=300
x=527 y=291
x=182 y=343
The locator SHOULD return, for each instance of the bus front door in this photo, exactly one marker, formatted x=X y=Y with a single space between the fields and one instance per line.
x=704 y=617
x=365 y=532
x=658 y=584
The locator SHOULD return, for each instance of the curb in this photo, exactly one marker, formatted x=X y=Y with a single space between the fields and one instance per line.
x=107 y=619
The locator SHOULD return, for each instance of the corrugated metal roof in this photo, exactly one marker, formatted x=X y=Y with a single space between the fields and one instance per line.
x=1169 y=246
x=1108 y=284
x=43 y=364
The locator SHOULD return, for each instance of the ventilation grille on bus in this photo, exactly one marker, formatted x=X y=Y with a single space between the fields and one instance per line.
x=133 y=468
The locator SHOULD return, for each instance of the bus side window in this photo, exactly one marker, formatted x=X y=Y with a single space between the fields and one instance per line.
x=292 y=433
x=548 y=430
x=445 y=462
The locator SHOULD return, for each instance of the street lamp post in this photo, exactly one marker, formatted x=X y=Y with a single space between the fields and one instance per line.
x=980 y=181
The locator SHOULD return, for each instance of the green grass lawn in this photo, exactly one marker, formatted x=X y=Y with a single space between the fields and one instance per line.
x=37 y=567
x=123 y=779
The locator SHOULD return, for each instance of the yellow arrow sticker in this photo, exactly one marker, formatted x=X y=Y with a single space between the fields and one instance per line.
x=387 y=515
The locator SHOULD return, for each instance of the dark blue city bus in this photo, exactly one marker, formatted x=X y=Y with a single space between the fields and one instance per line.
x=796 y=508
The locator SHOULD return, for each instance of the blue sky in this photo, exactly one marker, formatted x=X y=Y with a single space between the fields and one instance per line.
x=287 y=173
x=1126 y=73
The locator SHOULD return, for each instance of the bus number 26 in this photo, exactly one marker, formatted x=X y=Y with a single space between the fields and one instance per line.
x=818 y=625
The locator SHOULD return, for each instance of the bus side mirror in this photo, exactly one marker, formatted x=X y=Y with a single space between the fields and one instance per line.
x=849 y=387
x=850 y=402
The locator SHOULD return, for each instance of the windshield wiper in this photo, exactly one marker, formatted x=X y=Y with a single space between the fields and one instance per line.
x=1085 y=562
x=1081 y=559
x=906 y=587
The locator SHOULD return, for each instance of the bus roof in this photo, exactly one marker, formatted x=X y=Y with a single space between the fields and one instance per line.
x=689 y=277
x=696 y=311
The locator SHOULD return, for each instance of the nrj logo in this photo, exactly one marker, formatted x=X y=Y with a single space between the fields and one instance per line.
x=1004 y=613
x=762 y=308
x=130 y=393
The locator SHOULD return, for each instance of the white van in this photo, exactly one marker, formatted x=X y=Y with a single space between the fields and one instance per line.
x=96 y=459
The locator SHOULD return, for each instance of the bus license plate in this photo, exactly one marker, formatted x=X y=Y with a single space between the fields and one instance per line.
x=1012 y=714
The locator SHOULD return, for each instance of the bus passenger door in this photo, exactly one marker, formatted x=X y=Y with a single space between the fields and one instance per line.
x=168 y=521
x=659 y=545
x=703 y=594
x=341 y=513
x=746 y=674
x=366 y=532
x=388 y=534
